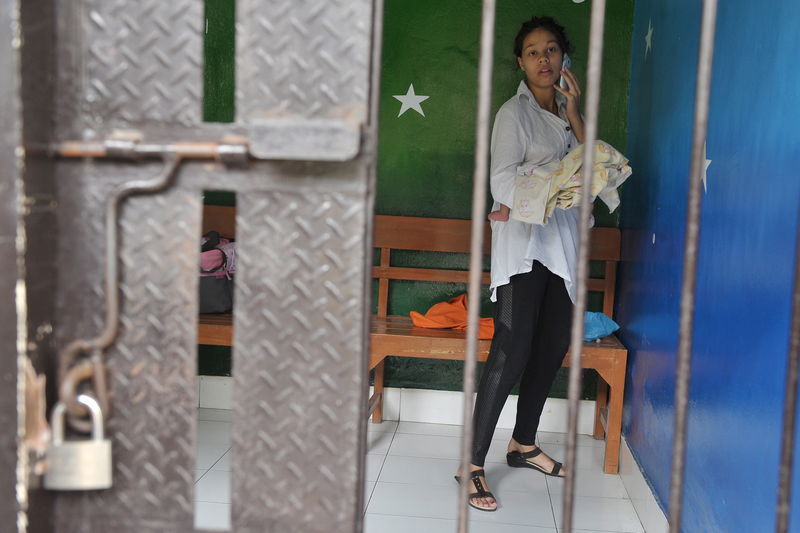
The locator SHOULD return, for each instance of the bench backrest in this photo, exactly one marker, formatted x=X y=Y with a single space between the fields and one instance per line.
x=221 y=219
x=451 y=235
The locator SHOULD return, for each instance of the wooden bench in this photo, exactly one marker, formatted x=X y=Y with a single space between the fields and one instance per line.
x=397 y=336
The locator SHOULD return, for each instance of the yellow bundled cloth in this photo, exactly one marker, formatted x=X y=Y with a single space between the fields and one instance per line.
x=540 y=189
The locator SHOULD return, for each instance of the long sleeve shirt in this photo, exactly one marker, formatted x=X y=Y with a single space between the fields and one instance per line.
x=525 y=133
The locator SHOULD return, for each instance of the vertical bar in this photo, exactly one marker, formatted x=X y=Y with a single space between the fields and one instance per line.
x=13 y=290
x=476 y=251
x=576 y=344
x=789 y=408
x=704 y=68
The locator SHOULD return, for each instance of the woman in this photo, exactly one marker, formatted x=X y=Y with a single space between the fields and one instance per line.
x=533 y=267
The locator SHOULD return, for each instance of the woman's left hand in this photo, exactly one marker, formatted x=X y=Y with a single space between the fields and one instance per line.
x=573 y=96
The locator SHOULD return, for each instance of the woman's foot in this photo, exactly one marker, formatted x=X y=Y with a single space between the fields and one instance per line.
x=479 y=496
x=533 y=457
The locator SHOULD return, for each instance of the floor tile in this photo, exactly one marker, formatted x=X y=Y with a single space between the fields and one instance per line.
x=447 y=430
x=421 y=470
x=489 y=527
x=374 y=464
x=214 y=432
x=561 y=438
x=521 y=508
x=433 y=446
x=651 y=515
x=636 y=485
x=377 y=523
x=221 y=415
x=431 y=501
x=198 y=474
x=402 y=499
x=379 y=442
x=501 y=478
x=208 y=454
x=503 y=435
x=209 y=515
x=224 y=462
x=387 y=426
x=369 y=486
x=215 y=487
x=588 y=457
x=590 y=483
x=419 y=428
x=602 y=514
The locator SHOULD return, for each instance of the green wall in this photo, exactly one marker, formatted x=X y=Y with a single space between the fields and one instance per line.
x=425 y=164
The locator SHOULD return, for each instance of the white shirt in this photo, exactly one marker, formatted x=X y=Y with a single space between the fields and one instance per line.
x=525 y=133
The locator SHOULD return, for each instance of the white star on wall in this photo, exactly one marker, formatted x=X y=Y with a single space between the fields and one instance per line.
x=705 y=168
x=649 y=37
x=410 y=100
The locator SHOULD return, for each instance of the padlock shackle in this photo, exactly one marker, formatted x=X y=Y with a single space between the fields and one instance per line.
x=98 y=430
x=60 y=410
x=57 y=422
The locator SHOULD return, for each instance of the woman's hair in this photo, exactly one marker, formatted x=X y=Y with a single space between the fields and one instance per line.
x=549 y=24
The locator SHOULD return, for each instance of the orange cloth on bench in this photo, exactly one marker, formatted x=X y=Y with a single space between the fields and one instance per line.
x=451 y=314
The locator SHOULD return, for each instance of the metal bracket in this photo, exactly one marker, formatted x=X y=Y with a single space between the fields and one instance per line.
x=305 y=140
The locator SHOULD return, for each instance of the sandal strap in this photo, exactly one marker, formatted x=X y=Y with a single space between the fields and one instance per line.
x=533 y=453
x=556 y=468
x=476 y=480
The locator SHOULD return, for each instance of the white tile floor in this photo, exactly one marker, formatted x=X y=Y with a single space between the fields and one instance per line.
x=409 y=483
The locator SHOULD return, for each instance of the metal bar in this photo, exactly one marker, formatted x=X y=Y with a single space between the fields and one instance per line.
x=134 y=150
x=370 y=150
x=476 y=251
x=70 y=353
x=576 y=344
x=789 y=407
x=704 y=69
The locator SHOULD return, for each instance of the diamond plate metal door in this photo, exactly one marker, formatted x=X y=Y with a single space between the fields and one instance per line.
x=304 y=219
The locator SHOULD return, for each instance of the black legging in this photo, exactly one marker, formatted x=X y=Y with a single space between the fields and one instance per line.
x=532 y=319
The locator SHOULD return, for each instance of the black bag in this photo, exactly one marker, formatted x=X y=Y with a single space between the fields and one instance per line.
x=216 y=294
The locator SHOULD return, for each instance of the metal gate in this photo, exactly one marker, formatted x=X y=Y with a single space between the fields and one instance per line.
x=105 y=98
x=110 y=106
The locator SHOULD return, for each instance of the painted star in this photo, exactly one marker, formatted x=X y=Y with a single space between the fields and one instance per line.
x=410 y=100
x=705 y=168
x=649 y=37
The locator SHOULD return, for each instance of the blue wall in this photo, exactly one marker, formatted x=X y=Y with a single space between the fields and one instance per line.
x=749 y=221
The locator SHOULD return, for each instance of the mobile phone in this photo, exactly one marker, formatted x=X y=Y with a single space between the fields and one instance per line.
x=566 y=63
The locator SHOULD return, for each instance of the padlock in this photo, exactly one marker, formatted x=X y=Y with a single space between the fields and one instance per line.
x=78 y=464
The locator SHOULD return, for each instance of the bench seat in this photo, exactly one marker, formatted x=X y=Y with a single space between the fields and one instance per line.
x=398 y=336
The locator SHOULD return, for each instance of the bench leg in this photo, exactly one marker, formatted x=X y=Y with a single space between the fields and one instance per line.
x=600 y=404
x=377 y=414
x=614 y=426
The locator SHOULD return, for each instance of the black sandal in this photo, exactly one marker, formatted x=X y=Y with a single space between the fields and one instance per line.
x=520 y=460
x=475 y=477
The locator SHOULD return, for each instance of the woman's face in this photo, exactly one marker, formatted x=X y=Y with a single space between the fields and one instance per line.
x=541 y=58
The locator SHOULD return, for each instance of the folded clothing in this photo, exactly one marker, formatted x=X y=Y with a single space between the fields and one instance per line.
x=597 y=325
x=540 y=189
x=452 y=314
